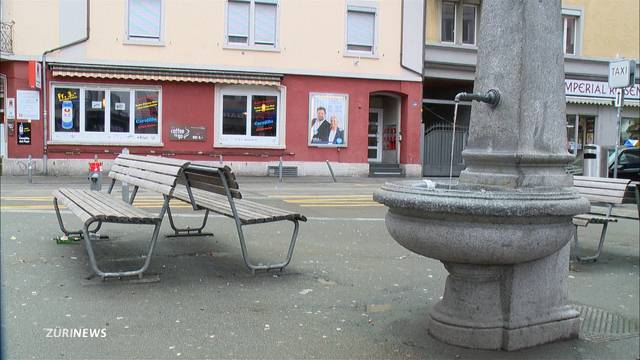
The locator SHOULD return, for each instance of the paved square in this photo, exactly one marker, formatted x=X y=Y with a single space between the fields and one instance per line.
x=350 y=292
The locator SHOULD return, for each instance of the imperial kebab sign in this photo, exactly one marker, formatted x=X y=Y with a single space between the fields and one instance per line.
x=599 y=90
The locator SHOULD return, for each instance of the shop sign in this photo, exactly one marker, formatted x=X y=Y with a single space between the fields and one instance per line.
x=24 y=133
x=188 y=133
x=598 y=89
x=621 y=73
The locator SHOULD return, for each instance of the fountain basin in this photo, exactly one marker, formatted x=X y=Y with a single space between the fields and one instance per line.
x=466 y=224
x=507 y=254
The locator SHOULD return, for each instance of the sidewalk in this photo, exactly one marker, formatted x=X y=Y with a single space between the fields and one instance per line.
x=350 y=292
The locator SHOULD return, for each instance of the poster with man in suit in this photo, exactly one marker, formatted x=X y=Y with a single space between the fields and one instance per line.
x=328 y=115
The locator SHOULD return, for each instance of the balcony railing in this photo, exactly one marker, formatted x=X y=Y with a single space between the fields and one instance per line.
x=6 y=37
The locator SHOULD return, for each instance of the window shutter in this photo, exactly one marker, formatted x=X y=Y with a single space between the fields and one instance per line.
x=238 y=19
x=265 y=29
x=360 y=28
x=144 y=18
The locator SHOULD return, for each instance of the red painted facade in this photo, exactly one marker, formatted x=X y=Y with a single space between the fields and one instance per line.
x=193 y=104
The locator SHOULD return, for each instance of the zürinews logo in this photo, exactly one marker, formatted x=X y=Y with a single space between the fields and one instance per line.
x=75 y=332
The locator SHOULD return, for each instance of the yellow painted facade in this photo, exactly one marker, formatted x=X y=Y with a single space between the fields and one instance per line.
x=609 y=27
x=311 y=37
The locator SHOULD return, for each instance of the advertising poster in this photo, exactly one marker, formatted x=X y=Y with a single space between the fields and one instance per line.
x=24 y=133
x=28 y=103
x=263 y=115
x=146 y=112
x=328 y=119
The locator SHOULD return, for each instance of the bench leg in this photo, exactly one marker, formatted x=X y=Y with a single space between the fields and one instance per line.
x=72 y=232
x=103 y=274
x=188 y=231
x=281 y=265
x=595 y=256
x=147 y=260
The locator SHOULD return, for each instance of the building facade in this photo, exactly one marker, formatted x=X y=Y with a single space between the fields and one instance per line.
x=243 y=82
x=595 y=33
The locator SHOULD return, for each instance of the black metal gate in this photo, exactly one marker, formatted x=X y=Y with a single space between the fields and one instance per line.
x=437 y=149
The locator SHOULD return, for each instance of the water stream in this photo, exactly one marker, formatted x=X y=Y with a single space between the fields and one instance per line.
x=453 y=142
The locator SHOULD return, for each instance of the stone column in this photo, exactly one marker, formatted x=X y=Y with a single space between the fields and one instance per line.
x=521 y=142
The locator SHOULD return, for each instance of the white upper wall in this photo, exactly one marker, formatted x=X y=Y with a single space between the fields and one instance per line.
x=311 y=37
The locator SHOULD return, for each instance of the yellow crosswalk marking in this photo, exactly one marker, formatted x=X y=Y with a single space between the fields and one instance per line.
x=335 y=200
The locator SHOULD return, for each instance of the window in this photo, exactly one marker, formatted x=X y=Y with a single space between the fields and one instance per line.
x=361 y=29
x=570 y=23
x=94 y=102
x=248 y=117
x=448 y=22
x=144 y=20
x=569 y=34
x=104 y=115
x=469 y=24
x=252 y=23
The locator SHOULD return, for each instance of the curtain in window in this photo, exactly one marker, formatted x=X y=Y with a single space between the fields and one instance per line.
x=144 y=18
x=265 y=26
x=360 y=28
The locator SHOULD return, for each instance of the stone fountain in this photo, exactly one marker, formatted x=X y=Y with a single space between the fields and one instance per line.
x=503 y=230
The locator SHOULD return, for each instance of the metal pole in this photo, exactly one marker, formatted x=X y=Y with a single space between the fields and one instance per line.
x=125 y=186
x=615 y=159
x=30 y=170
x=280 y=170
x=331 y=171
x=221 y=159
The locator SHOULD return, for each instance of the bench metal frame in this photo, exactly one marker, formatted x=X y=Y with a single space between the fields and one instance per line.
x=243 y=245
x=605 y=223
x=88 y=235
x=601 y=198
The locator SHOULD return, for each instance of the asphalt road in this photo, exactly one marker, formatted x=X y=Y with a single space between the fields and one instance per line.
x=350 y=292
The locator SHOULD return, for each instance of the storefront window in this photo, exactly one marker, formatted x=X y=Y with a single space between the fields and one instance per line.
x=248 y=117
x=580 y=132
x=234 y=115
x=94 y=104
x=120 y=111
x=67 y=109
x=105 y=115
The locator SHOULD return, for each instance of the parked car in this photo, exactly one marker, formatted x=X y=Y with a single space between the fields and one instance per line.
x=628 y=163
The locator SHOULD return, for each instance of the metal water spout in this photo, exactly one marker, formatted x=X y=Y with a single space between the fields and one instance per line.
x=491 y=97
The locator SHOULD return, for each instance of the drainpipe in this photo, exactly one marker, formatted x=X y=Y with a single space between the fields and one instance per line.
x=44 y=84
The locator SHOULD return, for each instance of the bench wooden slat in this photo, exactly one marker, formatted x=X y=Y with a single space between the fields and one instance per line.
x=599 y=185
x=603 y=192
x=146 y=175
x=149 y=166
x=117 y=205
x=604 y=199
x=248 y=212
x=102 y=207
x=145 y=184
x=214 y=188
x=99 y=206
x=601 y=179
x=208 y=178
x=90 y=207
x=78 y=211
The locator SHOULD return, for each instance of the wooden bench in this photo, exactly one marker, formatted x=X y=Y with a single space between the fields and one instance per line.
x=143 y=172
x=607 y=191
x=216 y=190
